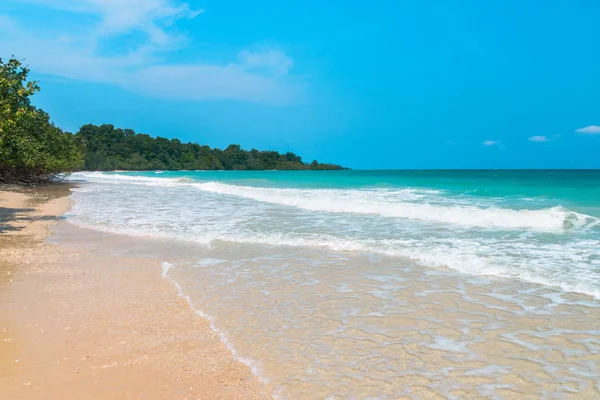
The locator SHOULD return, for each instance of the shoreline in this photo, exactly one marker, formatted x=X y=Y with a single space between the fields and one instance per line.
x=319 y=323
x=98 y=325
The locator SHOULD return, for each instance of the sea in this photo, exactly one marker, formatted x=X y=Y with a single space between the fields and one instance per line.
x=351 y=284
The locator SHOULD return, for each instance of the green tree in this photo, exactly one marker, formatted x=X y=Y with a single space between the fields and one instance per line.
x=110 y=148
x=32 y=148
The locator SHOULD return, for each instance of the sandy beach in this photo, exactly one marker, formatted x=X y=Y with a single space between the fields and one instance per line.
x=162 y=289
x=76 y=323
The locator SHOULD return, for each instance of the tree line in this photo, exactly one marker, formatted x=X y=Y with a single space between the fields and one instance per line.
x=34 y=150
x=109 y=148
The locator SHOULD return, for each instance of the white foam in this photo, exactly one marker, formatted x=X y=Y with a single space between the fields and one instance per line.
x=170 y=209
x=447 y=344
x=394 y=203
x=240 y=252
x=165 y=269
x=489 y=370
x=101 y=177
x=255 y=367
x=461 y=257
x=554 y=219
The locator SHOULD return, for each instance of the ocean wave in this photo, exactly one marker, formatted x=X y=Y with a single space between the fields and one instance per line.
x=461 y=256
x=103 y=177
x=464 y=256
x=555 y=219
x=407 y=203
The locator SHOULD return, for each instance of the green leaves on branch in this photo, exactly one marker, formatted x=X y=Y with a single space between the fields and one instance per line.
x=32 y=149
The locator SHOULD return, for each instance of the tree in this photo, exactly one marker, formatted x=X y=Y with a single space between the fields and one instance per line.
x=32 y=148
x=110 y=148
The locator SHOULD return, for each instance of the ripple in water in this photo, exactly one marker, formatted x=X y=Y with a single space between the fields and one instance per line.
x=370 y=292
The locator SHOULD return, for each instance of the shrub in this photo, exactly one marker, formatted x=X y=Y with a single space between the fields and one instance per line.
x=32 y=148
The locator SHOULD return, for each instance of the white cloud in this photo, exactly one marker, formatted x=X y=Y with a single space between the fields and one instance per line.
x=211 y=82
x=589 y=130
x=274 y=60
x=539 y=139
x=72 y=52
x=491 y=143
x=123 y=16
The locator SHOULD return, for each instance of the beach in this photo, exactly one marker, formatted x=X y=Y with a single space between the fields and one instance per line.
x=373 y=284
x=299 y=200
x=75 y=323
x=299 y=285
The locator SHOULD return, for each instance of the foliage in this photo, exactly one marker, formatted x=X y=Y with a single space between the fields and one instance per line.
x=32 y=149
x=109 y=148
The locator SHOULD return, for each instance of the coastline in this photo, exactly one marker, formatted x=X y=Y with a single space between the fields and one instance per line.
x=312 y=321
x=78 y=323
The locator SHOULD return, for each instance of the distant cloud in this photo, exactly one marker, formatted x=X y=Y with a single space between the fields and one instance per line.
x=539 y=139
x=274 y=60
x=152 y=17
x=72 y=51
x=491 y=143
x=589 y=130
x=212 y=82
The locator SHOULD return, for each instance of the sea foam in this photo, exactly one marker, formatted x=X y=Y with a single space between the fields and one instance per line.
x=407 y=203
x=342 y=281
x=551 y=246
x=555 y=219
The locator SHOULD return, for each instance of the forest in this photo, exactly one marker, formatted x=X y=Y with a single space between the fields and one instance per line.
x=34 y=150
x=109 y=148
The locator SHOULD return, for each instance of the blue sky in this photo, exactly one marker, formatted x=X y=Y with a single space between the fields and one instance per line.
x=385 y=84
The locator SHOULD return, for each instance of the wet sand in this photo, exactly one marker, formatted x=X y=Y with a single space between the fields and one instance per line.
x=356 y=326
x=86 y=314
x=76 y=324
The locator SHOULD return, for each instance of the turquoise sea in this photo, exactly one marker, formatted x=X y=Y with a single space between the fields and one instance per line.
x=373 y=284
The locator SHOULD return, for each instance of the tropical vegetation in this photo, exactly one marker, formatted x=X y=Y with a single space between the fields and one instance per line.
x=34 y=150
x=109 y=148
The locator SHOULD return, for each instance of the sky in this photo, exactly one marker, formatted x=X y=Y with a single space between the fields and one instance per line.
x=373 y=85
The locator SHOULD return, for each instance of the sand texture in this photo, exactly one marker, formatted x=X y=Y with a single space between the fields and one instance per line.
x=79 y=324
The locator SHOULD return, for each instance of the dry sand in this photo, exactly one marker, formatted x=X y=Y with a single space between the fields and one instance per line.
x=77 y=325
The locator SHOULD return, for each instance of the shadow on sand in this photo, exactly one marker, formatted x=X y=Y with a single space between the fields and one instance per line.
x=10 y=215
x=39 y=195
